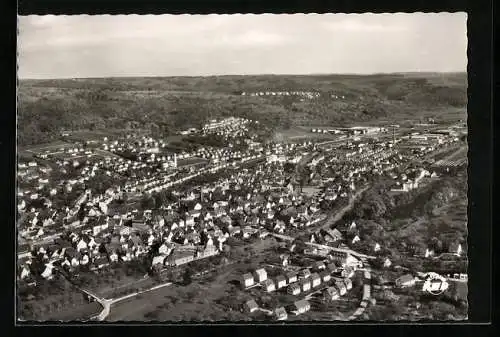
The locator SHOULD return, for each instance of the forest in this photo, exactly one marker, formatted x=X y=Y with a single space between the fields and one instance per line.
x=165 y=105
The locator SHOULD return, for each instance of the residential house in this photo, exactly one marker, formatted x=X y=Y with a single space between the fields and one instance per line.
x=319 y=266
x=348 y=283
x=47 y=273
x=294 y=289
x=260 y=275
x=269 y=285
x=352 y=262
x=347 y=272
x=280 y=281
x=315 y=280
x=302 y=306
x=291 y=277
x=305 y=284
x=429 y=252
x=251 y=306
x=331 y=294
x=101 y=262
x=158 y=261
x=339 y=256
x=280 y=314
x=113 y=257
x=325 y=276
x=165 y=249
x=84 y=259
x=25 y=272
x=406 y=280
x=304 y=273
x=341 y=288
x=333 y=235
x=81 y=245
x=247 y=280
x=456 y=249
x=332 y=267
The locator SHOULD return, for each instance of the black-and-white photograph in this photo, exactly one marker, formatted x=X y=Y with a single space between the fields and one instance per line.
x=242 y=168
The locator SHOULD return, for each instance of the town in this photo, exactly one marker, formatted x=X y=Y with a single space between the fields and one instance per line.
x=114 y=216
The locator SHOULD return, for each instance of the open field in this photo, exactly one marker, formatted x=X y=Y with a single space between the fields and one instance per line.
x=52 y=146
x=204 y=299
x=300 y=133
x=84 y=312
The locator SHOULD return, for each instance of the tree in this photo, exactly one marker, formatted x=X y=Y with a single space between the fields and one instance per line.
x=187 y=276
x=288 y=168
x=147 y=202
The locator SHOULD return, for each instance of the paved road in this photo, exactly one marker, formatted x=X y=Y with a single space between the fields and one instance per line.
x=366 y=296
x=107 y=303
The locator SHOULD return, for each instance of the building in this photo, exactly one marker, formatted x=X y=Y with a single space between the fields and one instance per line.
x=332 y=268
x=251 y=306
x=280 y=281
x=455 y=248
x=319 y=266
x=260 y=275
x=294 y=289
x=305 y=284
x=247 y=280
x=325 y=276
x=280 y=314
x=341 y=288
x=302 y=306
x=348 y=283
x=406 y=280
x=181 y=258
x=333 y=235
x=304 y=273
x=269 y=285
x=291 y=277
x=347 y=272
x=315 y=280
x=339 y=256
x=330 y=294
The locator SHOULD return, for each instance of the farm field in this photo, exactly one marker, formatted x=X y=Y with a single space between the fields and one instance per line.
x=213 y=296
x=40 y=148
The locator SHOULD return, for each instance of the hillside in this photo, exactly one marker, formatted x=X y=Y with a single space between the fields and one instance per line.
x=163 y=105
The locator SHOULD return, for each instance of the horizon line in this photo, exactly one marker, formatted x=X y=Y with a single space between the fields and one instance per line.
x=233 y=75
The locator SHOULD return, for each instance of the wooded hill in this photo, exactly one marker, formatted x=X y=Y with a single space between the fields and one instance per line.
x=166 y=104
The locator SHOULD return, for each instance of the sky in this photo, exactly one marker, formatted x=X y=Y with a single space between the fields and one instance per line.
x=202 y=45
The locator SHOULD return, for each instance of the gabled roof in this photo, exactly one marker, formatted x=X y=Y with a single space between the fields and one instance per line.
x=331 y=290
x=280 y=278
x=301 y=304
x=251 y=304
x=247 y=276
x=315 y=276
x=405 y=278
